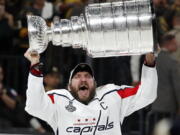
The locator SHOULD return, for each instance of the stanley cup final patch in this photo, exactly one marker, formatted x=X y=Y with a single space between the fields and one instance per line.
x=70 y=107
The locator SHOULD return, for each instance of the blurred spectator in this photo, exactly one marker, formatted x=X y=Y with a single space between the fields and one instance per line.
x=176 y=54
x=52 y=79
x=175 y=128
x=169 y=20
x=167 y=104
x=168 y=72
x=5 y=15
x=12 y=112
x=36 y=7
x=77 y=9
x=176 y=20
x=163 y=127
x=176 y=5
x=14 y=7
x=70 y=8
x=41 y=8
x=176 y=32
x=9 y=105
x=160 y=6
x=6 y=29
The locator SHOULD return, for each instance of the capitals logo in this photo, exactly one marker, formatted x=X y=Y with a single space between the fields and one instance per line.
x=92 y=127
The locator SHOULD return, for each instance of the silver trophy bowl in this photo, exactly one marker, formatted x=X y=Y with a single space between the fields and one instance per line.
x=104 y=30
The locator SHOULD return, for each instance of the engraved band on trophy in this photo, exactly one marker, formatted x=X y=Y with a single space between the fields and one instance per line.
x=105 y=29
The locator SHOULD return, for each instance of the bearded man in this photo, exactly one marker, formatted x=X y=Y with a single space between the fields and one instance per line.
x=84 y=109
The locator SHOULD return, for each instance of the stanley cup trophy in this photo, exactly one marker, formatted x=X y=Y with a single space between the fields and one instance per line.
x=104 y=30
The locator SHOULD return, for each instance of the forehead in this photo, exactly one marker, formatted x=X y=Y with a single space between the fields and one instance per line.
x=82 y=73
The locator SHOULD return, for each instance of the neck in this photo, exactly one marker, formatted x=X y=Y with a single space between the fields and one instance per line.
x=48 y=88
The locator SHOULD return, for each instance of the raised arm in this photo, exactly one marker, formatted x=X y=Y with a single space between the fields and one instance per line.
x=38 y=103
x=135 y=98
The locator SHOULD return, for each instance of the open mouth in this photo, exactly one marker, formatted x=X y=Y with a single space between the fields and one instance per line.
x=83 y=92
x=83 y=88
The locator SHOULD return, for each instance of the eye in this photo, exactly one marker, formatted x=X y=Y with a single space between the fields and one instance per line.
x=77 y=76
x=88 y=76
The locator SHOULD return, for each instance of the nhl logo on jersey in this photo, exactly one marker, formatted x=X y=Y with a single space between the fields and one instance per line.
x=70 y=107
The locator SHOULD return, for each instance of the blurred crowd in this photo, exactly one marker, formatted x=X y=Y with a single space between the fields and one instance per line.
x=164 y=112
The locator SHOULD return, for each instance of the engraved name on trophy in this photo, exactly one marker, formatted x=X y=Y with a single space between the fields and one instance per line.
x=104 y=30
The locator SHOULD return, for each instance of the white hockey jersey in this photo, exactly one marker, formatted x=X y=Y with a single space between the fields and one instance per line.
x=102 y=116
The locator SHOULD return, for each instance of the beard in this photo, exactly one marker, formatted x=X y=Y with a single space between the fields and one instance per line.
x=74 y=91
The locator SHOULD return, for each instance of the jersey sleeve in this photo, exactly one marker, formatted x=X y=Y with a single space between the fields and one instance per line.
x=135 y=98
x=38 y=103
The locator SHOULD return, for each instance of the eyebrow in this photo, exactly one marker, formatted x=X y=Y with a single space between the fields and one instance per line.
x=86 y=73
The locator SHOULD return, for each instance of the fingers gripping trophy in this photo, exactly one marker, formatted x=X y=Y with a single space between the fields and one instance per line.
x=103 y=30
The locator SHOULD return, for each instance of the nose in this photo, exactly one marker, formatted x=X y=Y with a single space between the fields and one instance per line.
x=83 y=78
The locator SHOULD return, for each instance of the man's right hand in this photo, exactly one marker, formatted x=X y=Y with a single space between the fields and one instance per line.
x=32 y=56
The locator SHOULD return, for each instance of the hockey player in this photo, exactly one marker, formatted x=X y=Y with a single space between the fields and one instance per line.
x=83 y=109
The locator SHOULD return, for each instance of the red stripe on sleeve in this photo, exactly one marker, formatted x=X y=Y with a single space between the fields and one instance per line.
x=36 y=69
x=52 y=98
x=128 y=91
x=36 y=72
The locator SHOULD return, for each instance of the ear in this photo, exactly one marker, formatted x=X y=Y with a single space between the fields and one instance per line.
x=95 y=83
x=68 y=87
x=46 y=78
